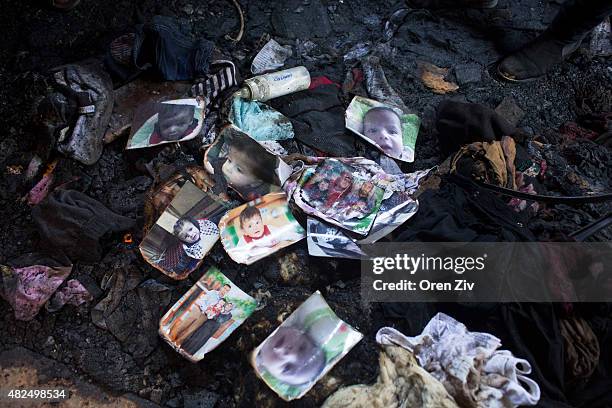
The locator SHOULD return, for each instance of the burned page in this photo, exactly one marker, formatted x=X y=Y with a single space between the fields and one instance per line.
x=206 y=315
x=166 y=122
x=259 y=228
x=184 y=233
x=303 y=348
x=244 y=165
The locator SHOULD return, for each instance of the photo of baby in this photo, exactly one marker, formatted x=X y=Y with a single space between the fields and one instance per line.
x=184 y=233
x=166 y=122
x=303 y=348
x=206 y=315
x=388 y=128
x=342 y=194
x=259 y=228
x=238 y=161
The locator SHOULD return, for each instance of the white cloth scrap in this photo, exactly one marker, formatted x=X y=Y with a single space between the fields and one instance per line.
x=469 y=364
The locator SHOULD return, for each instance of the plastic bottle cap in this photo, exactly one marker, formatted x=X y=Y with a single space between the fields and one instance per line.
x=245 y=93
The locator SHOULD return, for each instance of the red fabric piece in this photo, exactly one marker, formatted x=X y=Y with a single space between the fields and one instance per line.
x=321 y=80
x=574 y=131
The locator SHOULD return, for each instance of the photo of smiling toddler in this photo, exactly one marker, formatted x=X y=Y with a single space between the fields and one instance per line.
x=259 y=228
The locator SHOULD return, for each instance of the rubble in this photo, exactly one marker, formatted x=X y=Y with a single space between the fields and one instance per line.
x=107 y=199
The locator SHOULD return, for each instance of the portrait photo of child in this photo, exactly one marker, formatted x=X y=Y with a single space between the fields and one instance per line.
x=244 y=165
x=259 y=228
x=184 y=233
x=166 y=122
x=341 y=194
x=303 y=348
x=388 y=128
x=206 y=315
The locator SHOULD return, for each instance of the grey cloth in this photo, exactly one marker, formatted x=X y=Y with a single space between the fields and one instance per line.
x=317 y=116
x=73 y=222
x=89 y=88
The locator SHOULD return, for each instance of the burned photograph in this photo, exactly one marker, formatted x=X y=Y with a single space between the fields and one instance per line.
x=244 y=165
x=259 y=228
x=303 y=348
x=345 y=195
x=327 y=240
x=388 y=128
x=206 y=315
x=166 y=122
x=184 y=233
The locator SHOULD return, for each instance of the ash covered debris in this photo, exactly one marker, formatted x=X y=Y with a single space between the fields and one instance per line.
x=65 y=135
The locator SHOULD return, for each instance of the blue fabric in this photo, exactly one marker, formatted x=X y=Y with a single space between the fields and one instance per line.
x=260 y=121
x=166 y=44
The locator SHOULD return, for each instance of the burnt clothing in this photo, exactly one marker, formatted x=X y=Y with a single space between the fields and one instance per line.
x=73 y=222
x=577 y=17
x=28 y=282
x=460 y=211
x=461 y=123
x=401 y=382
x=491 y=163
x=532 y=331
x=166 y=45
x=317 y=116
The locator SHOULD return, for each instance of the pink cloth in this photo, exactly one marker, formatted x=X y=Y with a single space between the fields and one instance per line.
x=74 y=293
x=27 y=289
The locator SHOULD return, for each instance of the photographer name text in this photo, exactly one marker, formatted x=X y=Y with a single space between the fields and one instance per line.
x=459 y=285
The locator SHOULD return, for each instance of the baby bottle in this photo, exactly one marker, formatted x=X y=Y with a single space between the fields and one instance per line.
x=275 y=84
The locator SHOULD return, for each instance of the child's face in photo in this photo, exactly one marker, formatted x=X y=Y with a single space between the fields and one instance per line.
x=384 y=128
x=228 y=307
x=173 y=125
x=292 y=356
x=235 y=170
x=253 y=227
x=345 y=181
x=366 y=189
x=188 y=233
